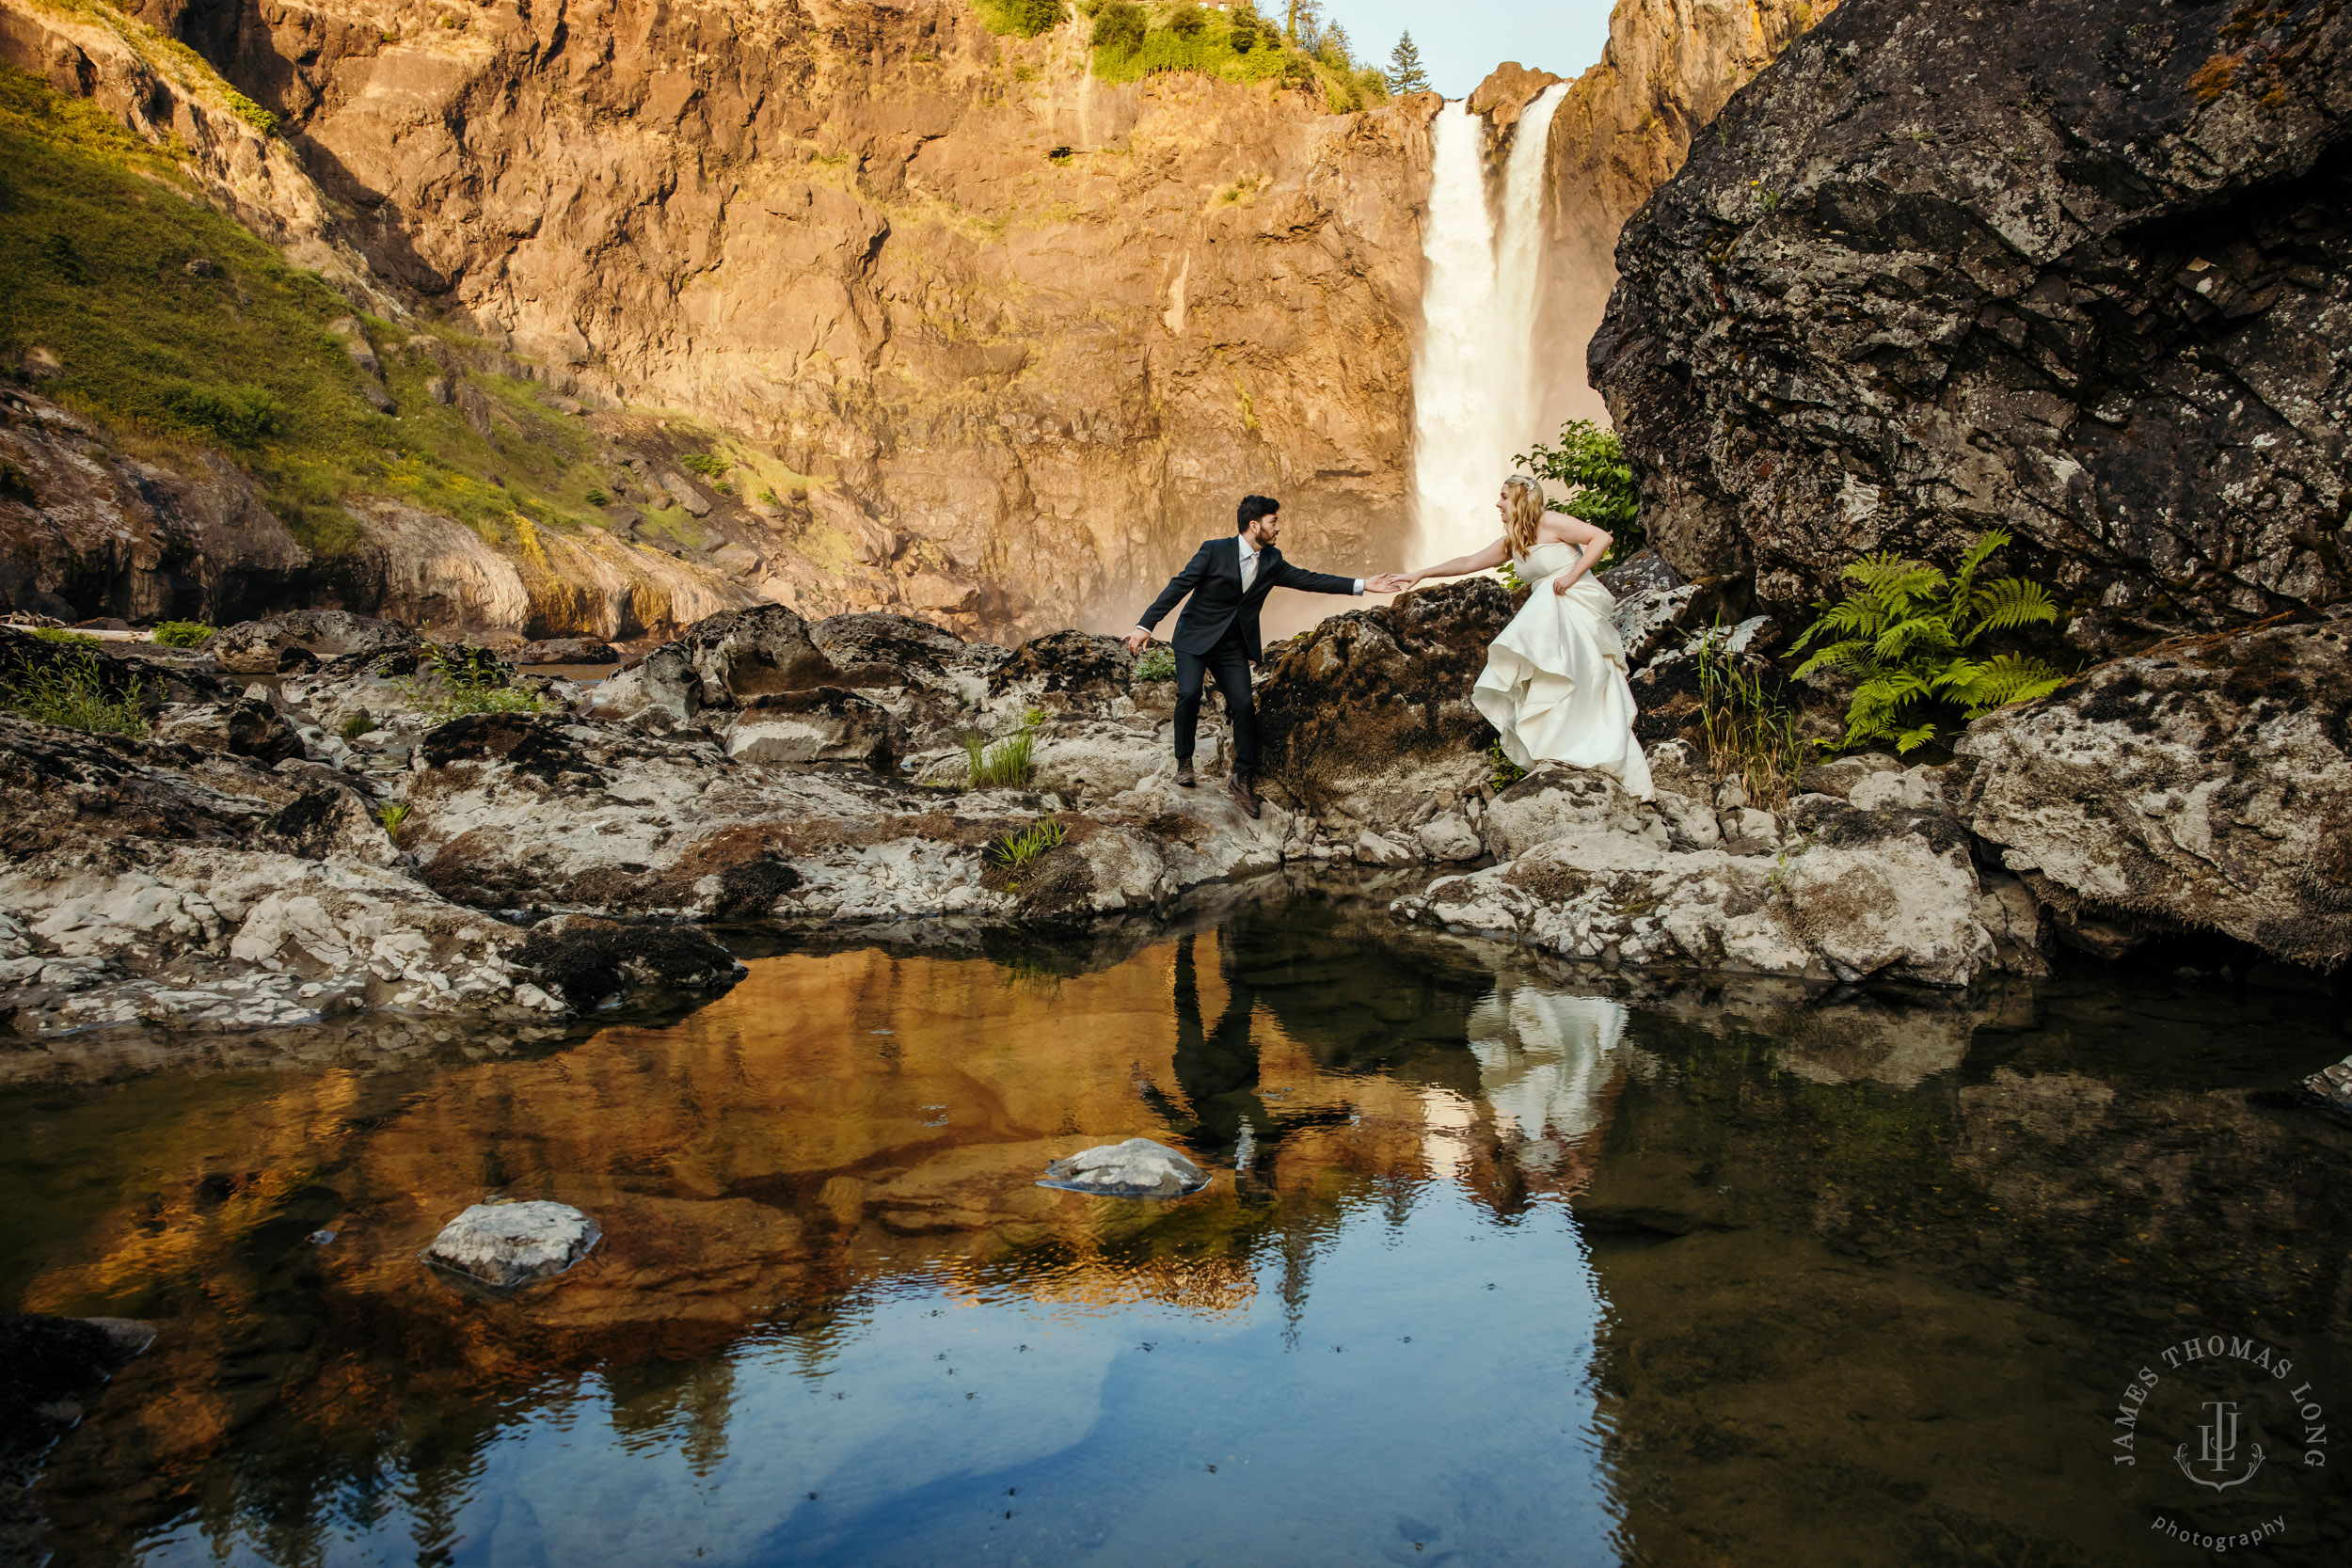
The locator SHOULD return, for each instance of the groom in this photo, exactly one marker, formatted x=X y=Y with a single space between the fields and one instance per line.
x=1216 y=636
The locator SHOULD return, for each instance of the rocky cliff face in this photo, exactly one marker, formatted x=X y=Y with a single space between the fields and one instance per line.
x=2076 y=270
x=1624 y=129
x=1008 y=323
x=992 y=339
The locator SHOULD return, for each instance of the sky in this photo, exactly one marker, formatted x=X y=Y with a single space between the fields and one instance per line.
x=1463 y=40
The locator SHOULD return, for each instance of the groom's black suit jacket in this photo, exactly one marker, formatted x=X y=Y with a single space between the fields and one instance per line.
x=1213 y=578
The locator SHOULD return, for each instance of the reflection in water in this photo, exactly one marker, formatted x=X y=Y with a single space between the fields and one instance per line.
x=1517 y=1273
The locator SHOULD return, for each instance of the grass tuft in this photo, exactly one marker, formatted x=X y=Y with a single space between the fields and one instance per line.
x=1010 y=763
x=1017 y=852
x=1751 y=733
x=181 y=634
x=70 y=691
x=1157 y=662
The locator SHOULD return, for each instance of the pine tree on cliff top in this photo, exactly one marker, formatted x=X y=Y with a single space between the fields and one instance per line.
x=1405 y=68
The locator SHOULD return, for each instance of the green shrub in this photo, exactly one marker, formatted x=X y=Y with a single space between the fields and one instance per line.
x=705 y=464
x=598 y=497
x=358 y=725
x=242 y=416
x=1904 y=629
x=392 y=816
x=1751 y=733
x=1591 y=461
x=181 y=634
x=1022 y=18
x=250 y=112
x=472 y=681
x=16 y=485
x=66 y=639
x=1156 y=663
x=1120 y=27
x=70 y=692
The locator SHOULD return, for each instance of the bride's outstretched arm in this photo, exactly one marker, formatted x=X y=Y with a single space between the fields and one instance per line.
x=1461 y=565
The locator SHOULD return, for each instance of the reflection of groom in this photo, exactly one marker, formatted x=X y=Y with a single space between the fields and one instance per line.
x=1216 y=636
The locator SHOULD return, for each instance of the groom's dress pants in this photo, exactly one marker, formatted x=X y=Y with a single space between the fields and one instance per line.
x=1228 y=664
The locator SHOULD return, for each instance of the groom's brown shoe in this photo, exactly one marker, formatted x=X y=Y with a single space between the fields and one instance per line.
x=1238 y=787
x=1185 y=776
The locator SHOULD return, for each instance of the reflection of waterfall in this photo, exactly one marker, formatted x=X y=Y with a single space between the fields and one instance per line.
x=1545 y=1062
x=1474 y=395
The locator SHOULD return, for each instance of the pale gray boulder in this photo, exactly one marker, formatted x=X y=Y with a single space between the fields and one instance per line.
x=513 y=1243
x=1137 y=1169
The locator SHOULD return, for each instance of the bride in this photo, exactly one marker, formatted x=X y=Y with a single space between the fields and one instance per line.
x=1554 y=686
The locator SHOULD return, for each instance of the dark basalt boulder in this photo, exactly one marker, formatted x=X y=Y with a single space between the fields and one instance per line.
x=243 y=728
x=304 y=640
x=1374 y=688
x=566 y=650
x=877 y=648
x=2073 y=269
x=1067 y=669
x=586 y=959
x=747 y=653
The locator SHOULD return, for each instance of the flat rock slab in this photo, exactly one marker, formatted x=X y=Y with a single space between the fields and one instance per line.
x=513 y=1243
x=1137 y=1169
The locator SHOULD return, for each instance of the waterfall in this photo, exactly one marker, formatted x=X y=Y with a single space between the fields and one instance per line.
x=1474 y=382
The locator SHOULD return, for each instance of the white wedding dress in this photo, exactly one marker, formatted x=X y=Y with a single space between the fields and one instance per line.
x=1554 y=686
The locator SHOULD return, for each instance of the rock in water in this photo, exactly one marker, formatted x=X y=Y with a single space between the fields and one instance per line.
x=1137 y=1169
x=513 y=1243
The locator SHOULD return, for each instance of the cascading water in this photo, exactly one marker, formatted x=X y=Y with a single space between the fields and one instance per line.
x=1474 y=391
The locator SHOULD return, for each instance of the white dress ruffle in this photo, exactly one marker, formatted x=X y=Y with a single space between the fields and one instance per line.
x=1554 y=686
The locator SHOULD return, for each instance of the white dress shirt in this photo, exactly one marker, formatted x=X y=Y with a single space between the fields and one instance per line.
x=1249 y=565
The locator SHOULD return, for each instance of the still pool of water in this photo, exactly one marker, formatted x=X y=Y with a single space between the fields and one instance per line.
x=1501 y=1263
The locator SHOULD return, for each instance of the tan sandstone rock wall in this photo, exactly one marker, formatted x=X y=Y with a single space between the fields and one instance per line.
x=1046 y=326
x=1026 y=334
x=1623 y=130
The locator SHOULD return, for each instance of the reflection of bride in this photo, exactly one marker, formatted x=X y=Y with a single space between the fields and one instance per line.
x=1545 y=1060
x=1554 y=686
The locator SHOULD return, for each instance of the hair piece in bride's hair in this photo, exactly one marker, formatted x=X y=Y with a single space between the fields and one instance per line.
x=1524 y=511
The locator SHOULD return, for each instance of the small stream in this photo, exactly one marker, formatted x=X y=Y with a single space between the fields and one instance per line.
x=1526 y=1265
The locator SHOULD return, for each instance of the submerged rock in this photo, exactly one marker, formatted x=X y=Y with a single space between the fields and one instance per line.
x=513 y=1243
x=1137 y=1169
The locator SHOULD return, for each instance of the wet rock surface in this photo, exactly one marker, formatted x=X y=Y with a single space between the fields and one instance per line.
x=514 y=1243
x=1139 y=1167
x=2086 y=289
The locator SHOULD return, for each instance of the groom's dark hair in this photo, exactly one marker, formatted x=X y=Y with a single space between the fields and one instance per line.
x=1252 y=508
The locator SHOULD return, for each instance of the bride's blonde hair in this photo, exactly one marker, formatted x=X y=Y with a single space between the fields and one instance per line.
x=1526 y=509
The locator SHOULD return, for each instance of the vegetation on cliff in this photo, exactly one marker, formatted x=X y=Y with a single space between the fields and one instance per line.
x=1131 y=41
x=138 y=305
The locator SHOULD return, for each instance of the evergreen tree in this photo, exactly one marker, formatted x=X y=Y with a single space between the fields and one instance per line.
x=1405 y=68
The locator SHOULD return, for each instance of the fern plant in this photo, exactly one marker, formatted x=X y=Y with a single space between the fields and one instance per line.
x=1904 y=629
